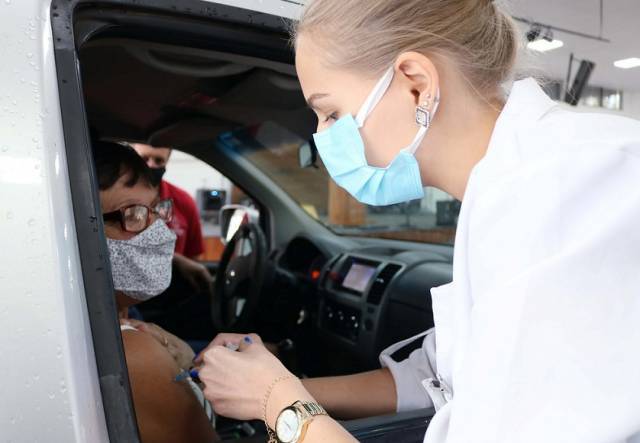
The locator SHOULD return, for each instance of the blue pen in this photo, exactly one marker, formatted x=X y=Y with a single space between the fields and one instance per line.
x=191 y=373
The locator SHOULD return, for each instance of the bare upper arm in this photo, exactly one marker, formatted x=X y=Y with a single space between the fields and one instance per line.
x=167 y=412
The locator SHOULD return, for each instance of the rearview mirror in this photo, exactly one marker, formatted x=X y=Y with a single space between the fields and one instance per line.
x=308 y=154
x=234 y=216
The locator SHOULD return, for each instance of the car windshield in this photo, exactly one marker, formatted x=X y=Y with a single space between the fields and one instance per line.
x=275 y=150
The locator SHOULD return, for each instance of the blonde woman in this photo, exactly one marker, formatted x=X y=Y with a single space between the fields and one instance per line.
x=537 y=338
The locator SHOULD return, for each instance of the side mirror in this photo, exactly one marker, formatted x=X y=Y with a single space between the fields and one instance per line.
x=308 y=154
x=234 y=216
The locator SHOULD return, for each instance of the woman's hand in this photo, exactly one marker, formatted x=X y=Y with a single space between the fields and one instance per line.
x=179 y=350
x=236 y=382
x=252 y=384
x=228 y=340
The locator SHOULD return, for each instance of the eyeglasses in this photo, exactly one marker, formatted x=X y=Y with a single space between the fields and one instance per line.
x=137 y=218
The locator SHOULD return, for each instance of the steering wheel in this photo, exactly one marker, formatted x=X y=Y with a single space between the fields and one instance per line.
x=239 y=280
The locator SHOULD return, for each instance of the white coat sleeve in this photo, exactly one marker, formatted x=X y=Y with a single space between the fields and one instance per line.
x=554 y=351
x=409 y=374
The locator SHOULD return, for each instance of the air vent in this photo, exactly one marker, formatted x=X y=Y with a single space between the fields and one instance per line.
x=381 y=283
x=327 y=270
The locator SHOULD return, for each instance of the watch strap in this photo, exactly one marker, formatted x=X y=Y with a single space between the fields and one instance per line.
x=312 y=408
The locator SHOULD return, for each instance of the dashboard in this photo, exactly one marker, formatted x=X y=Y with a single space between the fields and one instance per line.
x=369 y=294
x=303 y=258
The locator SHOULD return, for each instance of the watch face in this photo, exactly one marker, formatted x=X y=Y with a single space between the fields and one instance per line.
x=287 y=426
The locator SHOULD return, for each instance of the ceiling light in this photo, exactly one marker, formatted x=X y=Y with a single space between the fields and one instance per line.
x=534 y=33
x=541 y=39
x=628 y=63
x=544 y=45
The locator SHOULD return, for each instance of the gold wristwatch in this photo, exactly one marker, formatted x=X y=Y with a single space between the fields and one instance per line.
x=293 y=421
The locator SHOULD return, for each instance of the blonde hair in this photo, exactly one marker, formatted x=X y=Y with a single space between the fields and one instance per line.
x=368 y=35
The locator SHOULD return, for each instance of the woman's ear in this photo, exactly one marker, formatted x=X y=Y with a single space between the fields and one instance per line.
x=419 y=74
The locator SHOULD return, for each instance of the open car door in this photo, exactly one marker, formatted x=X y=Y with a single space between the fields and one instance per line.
x=203 y=25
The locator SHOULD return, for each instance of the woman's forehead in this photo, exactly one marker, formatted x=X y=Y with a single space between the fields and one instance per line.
x=317 y=78
x=308 y=62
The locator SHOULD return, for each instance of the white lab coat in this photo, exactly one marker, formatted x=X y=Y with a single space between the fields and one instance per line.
x=537 y=339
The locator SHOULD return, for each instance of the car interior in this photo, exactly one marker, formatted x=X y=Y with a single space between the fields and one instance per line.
x=223 y=88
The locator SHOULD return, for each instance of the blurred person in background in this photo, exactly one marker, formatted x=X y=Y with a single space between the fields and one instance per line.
x=186 y=219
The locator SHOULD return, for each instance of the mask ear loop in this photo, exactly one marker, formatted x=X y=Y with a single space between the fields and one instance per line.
x=374 y=97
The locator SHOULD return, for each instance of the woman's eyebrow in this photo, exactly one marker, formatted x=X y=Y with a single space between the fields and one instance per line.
x=315 y=97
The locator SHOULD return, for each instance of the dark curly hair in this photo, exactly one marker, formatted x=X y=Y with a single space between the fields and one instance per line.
x=115 y=160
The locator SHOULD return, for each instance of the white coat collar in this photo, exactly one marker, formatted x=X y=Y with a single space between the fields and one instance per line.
x=526 y=101
x=526 y=105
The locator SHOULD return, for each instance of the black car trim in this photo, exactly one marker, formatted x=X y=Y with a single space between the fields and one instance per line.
x=253 y=32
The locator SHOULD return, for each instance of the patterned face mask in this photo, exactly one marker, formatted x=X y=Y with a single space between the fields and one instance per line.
x=141 y=266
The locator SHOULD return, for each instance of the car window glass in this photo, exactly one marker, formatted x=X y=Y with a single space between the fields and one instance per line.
x=274 y=149
x=210 y=190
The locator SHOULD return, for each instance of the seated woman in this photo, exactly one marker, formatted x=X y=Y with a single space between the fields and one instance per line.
x=140 y=251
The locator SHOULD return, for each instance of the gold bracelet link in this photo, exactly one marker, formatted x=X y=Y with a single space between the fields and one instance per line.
x=272 y=435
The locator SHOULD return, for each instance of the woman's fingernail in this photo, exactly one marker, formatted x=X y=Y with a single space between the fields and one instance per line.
x=248 y=340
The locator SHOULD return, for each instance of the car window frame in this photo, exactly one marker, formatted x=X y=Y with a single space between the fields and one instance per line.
x=68 y=35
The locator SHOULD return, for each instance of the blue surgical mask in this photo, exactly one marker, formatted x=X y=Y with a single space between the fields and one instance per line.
x=342 y=151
